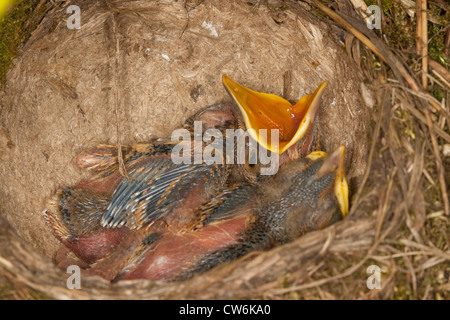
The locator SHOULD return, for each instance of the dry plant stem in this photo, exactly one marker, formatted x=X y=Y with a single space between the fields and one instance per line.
x=434 y=104
x=368 y=38
x=40 y=4
x=376 y=134
x=336 y=17
x=440 y=167
x=417 y=170
x=418 y=26
x=422 y=33
x=419 y=115
x=442 y=73
x=384 y=208
x=401 y=174
x=412 y=273
x=386 y=55
x=433 y=251
x=403 y=254
x=441 y=78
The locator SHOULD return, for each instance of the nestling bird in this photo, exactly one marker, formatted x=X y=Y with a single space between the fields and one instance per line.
x=306 y=194
x=93 y=219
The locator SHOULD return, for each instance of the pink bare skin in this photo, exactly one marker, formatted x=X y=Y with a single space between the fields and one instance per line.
x=175 y=253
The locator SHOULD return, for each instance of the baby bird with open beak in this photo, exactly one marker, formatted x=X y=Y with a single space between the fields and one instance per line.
x=307 y=194
x=160 y=197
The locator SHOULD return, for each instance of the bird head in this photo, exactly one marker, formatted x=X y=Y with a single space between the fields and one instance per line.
x=315 y=195
x=218 y=116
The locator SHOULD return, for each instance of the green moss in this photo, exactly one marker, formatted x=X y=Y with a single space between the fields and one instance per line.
x=398 y=25
x=15 y=28
x=436 y=34
x=400 y=30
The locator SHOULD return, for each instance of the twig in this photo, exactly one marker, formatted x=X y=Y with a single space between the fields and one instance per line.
x=40 y=4
x=416 y=113
x=385 y=204
x=443 y=73
x=336 y=17
x=422 y=35
x=371 y=154
x=439 y=165
x=430 y=99
x=442 y=79
x=403 y=254
x=418 y=26
x=435 y=251
x=320 y=282
x=368 y=38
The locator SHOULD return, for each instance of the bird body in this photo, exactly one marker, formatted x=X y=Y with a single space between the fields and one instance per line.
x=302 y=197
x=157 y=219
x=92 y=217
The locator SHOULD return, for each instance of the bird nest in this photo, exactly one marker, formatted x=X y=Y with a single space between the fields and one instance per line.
x=136 y=69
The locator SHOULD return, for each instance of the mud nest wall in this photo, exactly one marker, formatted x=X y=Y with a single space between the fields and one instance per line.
x=134 y=71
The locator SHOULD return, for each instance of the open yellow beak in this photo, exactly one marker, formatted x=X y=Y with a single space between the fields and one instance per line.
x=269 y=111
x=335 y=163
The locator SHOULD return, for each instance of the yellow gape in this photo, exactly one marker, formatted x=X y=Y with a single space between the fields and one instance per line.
x=341 y=185
x=335 y=163
x=263 y=111
x=316 y=155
